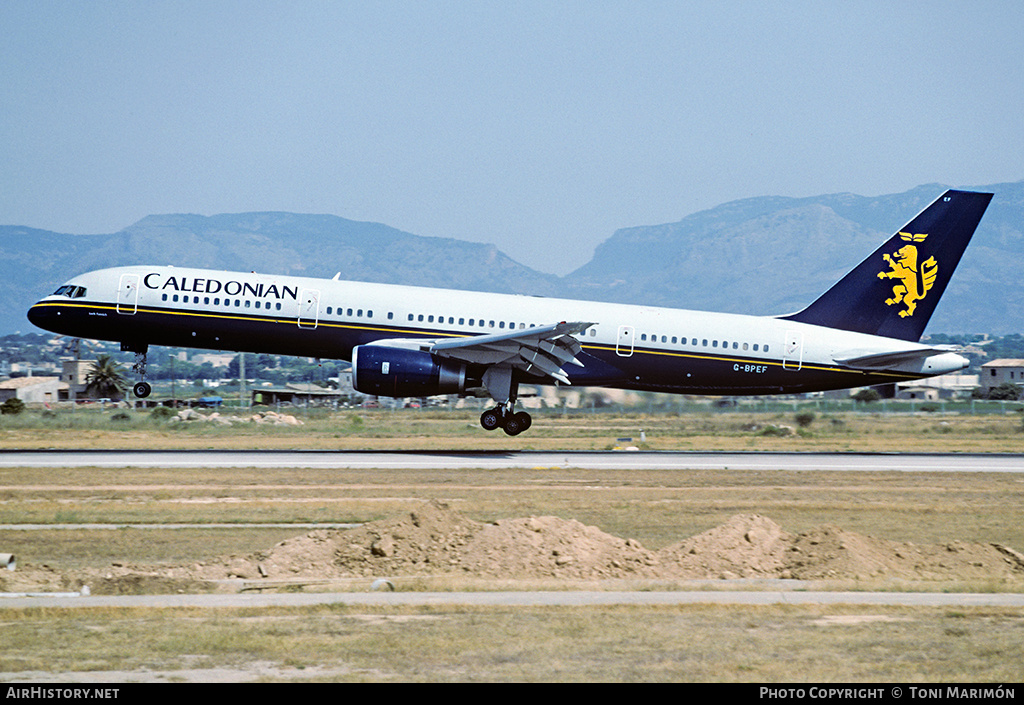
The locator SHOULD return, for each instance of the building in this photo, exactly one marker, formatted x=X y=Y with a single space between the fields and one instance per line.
x=935 y=388
x=32 y=390
x=1002 y=371
x=297 y=395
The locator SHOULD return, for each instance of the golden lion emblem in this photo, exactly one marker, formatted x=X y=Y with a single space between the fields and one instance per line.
x=914 y=283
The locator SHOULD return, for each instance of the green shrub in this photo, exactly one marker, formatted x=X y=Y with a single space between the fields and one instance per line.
x=805 y=419
x=12 y=406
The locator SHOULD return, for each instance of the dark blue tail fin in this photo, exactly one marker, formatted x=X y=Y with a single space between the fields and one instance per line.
x=894 y=291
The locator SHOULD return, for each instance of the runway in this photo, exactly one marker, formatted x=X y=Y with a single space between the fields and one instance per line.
x=498 y=460
x=567 y=598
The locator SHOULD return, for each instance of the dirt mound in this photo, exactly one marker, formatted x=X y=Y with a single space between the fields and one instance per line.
x=831 y=552
x=429 y=540
x=540 y=547
x=436 y=540
x=746 y=546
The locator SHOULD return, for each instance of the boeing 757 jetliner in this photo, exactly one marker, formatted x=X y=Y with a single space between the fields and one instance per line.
x=412 y=341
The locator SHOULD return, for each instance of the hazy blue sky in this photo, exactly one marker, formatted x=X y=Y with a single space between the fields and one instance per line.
x=538 y=126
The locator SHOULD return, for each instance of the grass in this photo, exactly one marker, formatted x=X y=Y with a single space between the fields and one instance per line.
x=706 y=429
x=656 y=507
x=613 y=644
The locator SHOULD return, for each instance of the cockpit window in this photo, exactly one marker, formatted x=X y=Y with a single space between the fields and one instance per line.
x=71 y=291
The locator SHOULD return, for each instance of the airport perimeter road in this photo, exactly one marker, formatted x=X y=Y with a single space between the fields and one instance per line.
x=608 y=460
x=526 y=599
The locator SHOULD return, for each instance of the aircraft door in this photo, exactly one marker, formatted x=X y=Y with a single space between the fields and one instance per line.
x=128 y=294
x=624 y=341
x=309 y=308
x=793 y=350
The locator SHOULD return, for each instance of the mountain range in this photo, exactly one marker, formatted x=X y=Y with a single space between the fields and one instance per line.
x=765 y=255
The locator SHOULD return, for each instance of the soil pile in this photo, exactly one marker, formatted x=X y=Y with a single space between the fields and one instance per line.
x=436 y=540
x=746 y=546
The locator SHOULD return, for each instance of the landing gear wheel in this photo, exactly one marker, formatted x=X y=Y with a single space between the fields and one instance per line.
x=517 y=423
x=142 y=390
x=490 y=419
x=525 y=420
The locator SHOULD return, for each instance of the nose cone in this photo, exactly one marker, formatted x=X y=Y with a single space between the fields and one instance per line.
x=41 y=316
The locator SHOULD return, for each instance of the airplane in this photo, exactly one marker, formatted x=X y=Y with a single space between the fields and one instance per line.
x=406 y=341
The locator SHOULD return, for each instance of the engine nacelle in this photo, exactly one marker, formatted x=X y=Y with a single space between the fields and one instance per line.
x=398 y=372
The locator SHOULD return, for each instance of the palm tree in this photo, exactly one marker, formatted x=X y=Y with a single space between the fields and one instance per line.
x=105 y=379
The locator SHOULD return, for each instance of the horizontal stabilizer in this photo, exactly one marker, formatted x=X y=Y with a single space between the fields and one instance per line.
x=939 y=359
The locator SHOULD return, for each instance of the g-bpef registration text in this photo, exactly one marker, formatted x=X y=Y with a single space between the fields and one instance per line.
x=62 y=693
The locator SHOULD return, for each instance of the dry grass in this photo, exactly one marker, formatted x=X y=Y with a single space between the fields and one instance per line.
x=688 y=643
x=578 y=430
x=684 y=643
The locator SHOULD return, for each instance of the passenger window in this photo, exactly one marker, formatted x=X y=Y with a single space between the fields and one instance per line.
x=755 y=347
x=164 y=297
x=462 y=321
x=359 y=313
x=501 y=324
x=766 y=348
x=735 y=345
x=714 y=343
x=665 y=339
x=643 y=336
x=174 y=298
x=391 y=315
x=744 y=346
x=430 y=319
x=704 y=342
x=420 y=318
x=247 y=303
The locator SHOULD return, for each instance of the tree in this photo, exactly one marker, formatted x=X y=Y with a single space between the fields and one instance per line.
x=105 y=379
x=867 y=395
x=1007 y=391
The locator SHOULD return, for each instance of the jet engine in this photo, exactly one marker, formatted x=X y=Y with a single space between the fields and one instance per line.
x=399 y=372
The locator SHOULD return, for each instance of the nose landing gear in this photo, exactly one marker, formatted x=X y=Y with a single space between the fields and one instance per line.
x=142 y=388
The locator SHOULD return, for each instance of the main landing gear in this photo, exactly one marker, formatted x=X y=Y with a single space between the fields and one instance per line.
x=142 y=388
x=502 y=416
x=503 y=388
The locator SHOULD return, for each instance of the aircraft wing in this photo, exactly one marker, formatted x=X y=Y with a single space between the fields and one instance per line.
x=542 y=350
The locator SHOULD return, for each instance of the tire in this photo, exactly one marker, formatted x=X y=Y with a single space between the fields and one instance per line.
x=490 y=419
x=525 y=420
x=514 y=424
x=142 y=390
